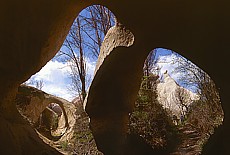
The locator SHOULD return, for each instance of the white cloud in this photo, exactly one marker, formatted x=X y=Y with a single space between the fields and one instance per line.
x=90 y=67
x=55 y=75
x=90 y=71
x=166 y=63
x=53 y=71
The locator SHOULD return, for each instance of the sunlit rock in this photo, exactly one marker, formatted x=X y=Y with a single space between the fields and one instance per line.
x=174 y=97
x=42 y=110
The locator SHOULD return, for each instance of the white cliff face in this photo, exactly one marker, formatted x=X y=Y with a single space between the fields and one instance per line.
x=172 y=96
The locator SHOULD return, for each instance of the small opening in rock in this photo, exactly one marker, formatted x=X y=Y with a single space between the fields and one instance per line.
x=51 y=122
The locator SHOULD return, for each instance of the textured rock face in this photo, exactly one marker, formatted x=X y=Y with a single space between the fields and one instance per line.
x=116 y=36
x=32 y=102
x=33 y=31
x=108 y=106
x=170 y=95
x=31 y=34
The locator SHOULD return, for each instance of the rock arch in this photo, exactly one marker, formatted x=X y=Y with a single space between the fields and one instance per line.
x=31 y=103
x=36 y=102
x=33 y=31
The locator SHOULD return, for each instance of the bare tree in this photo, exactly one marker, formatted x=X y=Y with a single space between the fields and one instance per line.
x=84 y=39
x=149 y=64
x=206 y=113
x=195 y=76
x=148 y=71
x=74 y=54
x=182 y=96
x=97 y=23
x=39 y=84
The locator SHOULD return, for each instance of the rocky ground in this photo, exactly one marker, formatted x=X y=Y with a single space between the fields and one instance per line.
x=191 y=141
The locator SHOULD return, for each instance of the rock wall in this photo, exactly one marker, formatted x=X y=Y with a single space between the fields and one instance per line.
x=33 y=31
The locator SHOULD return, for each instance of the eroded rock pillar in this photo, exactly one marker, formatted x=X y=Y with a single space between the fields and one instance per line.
x=114 y=89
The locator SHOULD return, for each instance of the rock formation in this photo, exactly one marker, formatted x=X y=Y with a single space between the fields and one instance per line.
x=174 y=97
x=108 y=106
x=32 y=102
x=33 y=31
x=42 y=109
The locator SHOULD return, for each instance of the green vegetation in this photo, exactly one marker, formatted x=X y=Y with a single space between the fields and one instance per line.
x=83 y=141
x=64 y=145
x=149 y=120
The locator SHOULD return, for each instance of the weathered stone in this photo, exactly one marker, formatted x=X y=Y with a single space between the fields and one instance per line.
x=33 y=31
x=117 y=36
x=32 y=102
x=108 y=106
x=170 y=95
x=48 y=120
x=56 y=108
x=31 y=34
x=40 y=108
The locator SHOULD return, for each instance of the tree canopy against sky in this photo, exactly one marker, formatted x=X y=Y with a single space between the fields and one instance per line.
x=79 y=53
x=83 y=42
x=74 y=64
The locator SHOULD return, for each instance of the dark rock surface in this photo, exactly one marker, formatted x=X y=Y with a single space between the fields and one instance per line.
x=31 y=32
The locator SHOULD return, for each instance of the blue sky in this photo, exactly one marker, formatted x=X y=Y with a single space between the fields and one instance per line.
x=166 y=60
x=55 y=74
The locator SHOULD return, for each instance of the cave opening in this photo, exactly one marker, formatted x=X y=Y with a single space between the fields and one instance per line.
x=51 y=122
x=178 y=106
x=74 y=66
x=68 y=75
x=33 y=31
